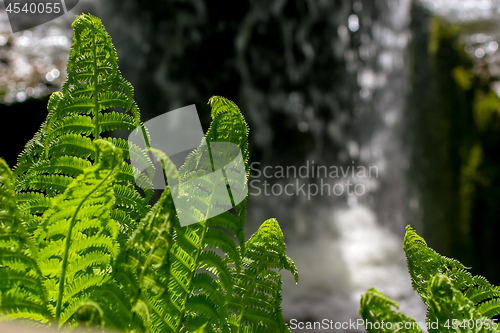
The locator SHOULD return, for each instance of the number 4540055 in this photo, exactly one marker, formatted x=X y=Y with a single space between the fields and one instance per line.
x=471 y=324
x=34 y=8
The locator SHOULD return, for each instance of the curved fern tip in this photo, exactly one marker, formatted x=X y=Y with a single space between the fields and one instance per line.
x=214 y=98
x=412 y=236
x=272 y=225
x=84 y=17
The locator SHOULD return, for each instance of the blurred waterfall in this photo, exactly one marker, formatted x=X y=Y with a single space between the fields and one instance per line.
x=357 y=240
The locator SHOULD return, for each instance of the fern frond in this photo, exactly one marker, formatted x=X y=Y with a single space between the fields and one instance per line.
x=447 y=305
x=424 y=264
x=34 y=151
x=77 y=238
x=378 y=308
x=22 y=294
x=78 y=124
x=145 y=255
x=172 y=274
x=112 y=121
x=191 y=257
x=258 y=285
x=79 y=115
x=229 y=125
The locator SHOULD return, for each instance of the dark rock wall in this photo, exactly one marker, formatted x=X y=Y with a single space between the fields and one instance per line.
x=453 y=117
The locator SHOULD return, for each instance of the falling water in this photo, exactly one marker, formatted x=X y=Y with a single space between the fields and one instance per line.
x=357 y=243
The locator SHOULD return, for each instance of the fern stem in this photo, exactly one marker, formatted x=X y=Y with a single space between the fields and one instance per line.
x=67 y=245
x=229 y=188
x=96 y=95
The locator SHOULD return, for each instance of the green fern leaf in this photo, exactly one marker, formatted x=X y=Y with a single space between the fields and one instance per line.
x=424 y=264
x=77 y=238
x=448 y=305
x=22 y=294
x=258 y=286
x=377 y=311
x=78 y=116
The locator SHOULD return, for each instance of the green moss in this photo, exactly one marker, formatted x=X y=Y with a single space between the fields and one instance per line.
x=463 y=77
x=468 y=178
x=486 y=110
x=440 y=30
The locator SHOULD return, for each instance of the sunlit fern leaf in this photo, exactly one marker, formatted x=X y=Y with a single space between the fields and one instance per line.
x=424 y=263
x=87 y=106
x=452 y=311
x=191 y=257
x=143 y=266
x=181 y=276
x=166 y=260
x=22 y=294
x=194 y=269
x=229 y=125
x=188 y=309
x=77 y=237
x=78 y=124
x=377 y=310
x=34 y=150
x=258 y=283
